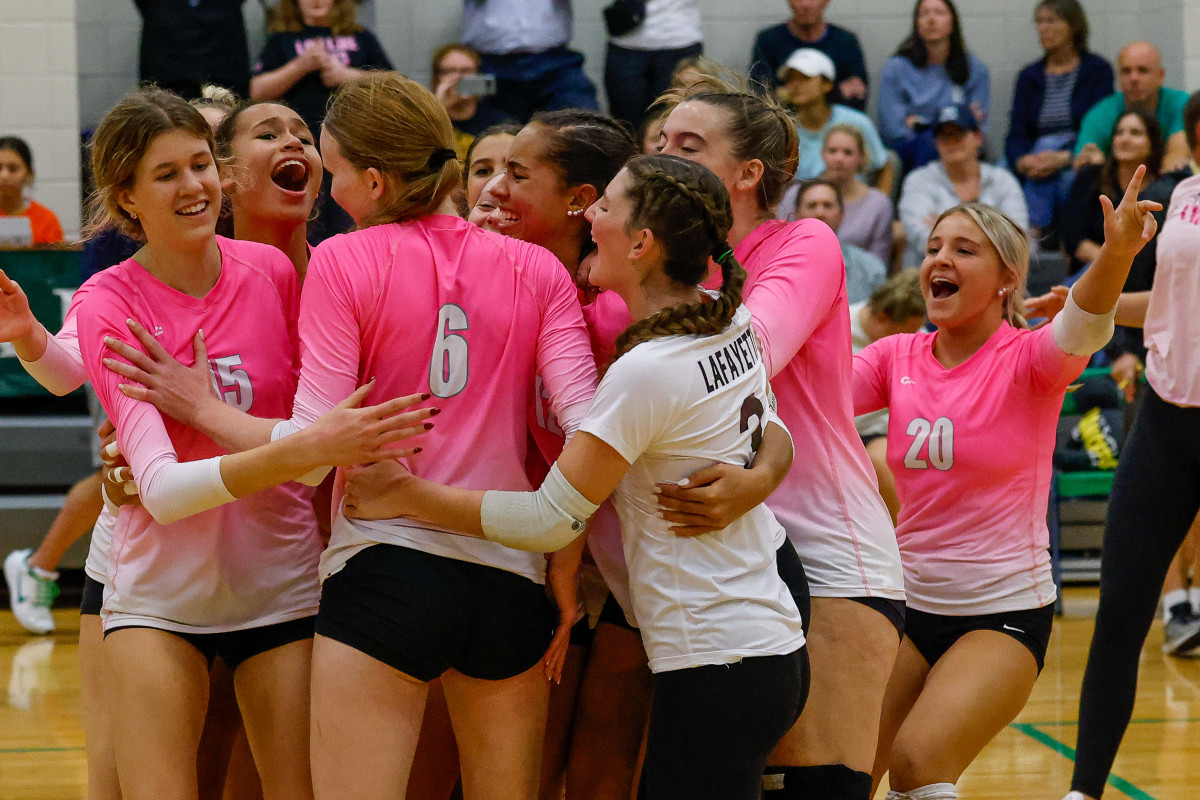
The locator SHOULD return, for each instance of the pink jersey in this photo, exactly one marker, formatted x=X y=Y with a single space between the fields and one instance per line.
x=252 y=562
x=971 y=449
x=470 y=316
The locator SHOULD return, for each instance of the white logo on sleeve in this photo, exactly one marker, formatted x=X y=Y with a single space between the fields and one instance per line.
x=907 y=381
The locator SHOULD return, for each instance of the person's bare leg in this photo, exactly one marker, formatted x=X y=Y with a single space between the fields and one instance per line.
x=76 y=519
x=556 y=745
x=158 y=693
x=903 y=689
x=272 y=692
x=366 y=719
x=97 y=728
x=221 y=723
x=610 y=717
x=499 y=726
x=241 y=778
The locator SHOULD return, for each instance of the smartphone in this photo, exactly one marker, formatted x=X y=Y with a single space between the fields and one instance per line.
x=481 y=84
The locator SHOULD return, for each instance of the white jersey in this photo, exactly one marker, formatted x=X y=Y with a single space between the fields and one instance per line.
x=670 y=407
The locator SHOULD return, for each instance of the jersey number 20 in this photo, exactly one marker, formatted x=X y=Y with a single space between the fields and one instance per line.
x=448 y=368
x=940 y=436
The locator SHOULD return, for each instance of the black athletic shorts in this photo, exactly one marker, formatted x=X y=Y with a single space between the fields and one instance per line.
x=894 y=610
x=234 y=647
x=93 y=596
x=934 y=634
x=423 y=614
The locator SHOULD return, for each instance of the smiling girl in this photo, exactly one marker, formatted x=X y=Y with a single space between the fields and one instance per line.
x=973 y=413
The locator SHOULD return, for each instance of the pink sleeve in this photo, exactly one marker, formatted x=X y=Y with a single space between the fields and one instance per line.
x=795 y=291
x=872 y=370
x=330 y=343
x=564 y=351
x=1048 y=368
x=60 y=369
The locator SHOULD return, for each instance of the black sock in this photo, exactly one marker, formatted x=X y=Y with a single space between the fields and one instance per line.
x=826 y=782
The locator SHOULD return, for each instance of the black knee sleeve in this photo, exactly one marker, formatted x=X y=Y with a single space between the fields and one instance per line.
x=826 y=782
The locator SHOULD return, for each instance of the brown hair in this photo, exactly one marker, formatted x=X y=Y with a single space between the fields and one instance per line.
x=814 y=183
x=447 y=49
x=388 y=122
x=499 y=129
x=120 y=143
x=899 y=298
x=286 y=18
x=686 y=207
x=1070 y=12
x=1108 y=173
x=1012 y=245
x=855 y=134
x=757 y=127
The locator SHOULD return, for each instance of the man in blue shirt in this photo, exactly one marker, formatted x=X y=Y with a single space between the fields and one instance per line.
x=524 y=44
x=808 y=28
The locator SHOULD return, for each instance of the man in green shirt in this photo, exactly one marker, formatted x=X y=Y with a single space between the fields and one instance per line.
x=1140 y=77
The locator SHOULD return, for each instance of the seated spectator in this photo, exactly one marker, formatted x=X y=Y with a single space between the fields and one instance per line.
x=956 y=177
x=1136 y=139
x=808 y=28
x=186 y=45
x=450 y=64
x=1051 y=97
x=820 y=199
x=524 y=44
x=650 y=131
x=931 y=69
x=895 y=307
x=312 y=49
x=16 y=176
x=485 y=158
x=806 y=85
x=1140 y=77
x=639 y=65
x=866 y=212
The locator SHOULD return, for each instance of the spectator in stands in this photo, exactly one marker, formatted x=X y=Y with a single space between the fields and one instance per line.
x=895 y=307
x=650 y=131
x=16 y=176
x=866 y=212
x=931 y=69
x=1052 y=96
x=821 y=199
x=524 y=44
x=957 y=177
x=640 y=64
x=185 y=44
x=806 y=89
x=449 y=65
x=1140 y=77
x=808 y=28
x=311 y=49
x=485 y=158
x=1136 y=139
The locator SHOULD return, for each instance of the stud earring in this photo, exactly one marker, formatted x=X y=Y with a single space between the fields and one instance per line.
x=133 y=214
x=1002 y=292
x=575 y=213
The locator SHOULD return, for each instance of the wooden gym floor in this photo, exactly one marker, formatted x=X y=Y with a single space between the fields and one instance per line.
x=42 y=756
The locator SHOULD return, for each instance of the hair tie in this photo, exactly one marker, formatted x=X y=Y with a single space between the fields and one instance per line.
x=725 y=254
x=440 y=157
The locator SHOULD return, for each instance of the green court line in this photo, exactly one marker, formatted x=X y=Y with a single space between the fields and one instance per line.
x=1115 y=781
x=7 y=750
x=1144 y=721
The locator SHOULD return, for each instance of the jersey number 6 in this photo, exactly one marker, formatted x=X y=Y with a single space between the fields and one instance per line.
x=448 y=370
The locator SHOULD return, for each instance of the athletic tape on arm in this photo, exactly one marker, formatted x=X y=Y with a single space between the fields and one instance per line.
x=543 y=521
x=1079 y=333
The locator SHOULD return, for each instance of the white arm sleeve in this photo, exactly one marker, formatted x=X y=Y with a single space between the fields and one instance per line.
x=543 y=521
x=176 y=490
x=59 y=369
x=285 y=427
x=1079 y=333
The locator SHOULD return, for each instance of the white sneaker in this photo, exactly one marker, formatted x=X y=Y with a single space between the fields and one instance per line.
x=1181 y=636
x=1076 y=796
x=31 y=592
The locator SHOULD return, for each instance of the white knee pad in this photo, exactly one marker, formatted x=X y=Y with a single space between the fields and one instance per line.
x=894 y=795
x=934 y=791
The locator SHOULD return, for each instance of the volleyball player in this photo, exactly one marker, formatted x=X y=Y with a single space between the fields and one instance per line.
x=974 y=409
x=688 y=387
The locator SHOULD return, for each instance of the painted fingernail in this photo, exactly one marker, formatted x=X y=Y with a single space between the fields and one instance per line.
x=428 y=426
x=434 y=412
x=109 y=340
x=111 y=449
x=417 y=450
x=425 y=395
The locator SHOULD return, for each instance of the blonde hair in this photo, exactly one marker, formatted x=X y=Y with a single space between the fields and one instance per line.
x=388 y=122
x=120 y=143
x=899 y=298
x=855 y=134
x=1012 y=245
x=218 y=97
x=286 y=18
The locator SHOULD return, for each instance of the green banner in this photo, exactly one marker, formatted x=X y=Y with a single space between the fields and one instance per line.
x=49 y=278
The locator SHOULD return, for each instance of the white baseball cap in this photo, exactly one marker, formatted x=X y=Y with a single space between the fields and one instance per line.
x=808 y=61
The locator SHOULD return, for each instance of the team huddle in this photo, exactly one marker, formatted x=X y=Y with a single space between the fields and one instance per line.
x=628 y=363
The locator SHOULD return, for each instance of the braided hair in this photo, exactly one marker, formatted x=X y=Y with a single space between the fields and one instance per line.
x=687 y=209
